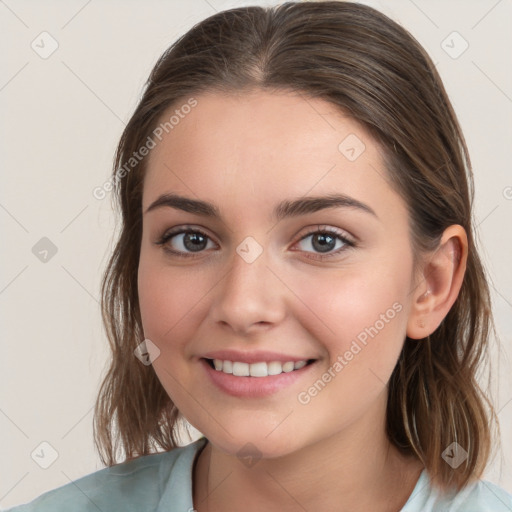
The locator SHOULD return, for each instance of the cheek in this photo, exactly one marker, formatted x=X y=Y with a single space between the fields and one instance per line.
x=171 y=299
x=360 y=319
x=354 y=308
x=170 y=304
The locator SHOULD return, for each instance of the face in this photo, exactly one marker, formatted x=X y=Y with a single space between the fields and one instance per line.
x=329 y=284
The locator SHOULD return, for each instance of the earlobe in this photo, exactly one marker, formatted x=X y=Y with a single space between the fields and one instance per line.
x=439 y=284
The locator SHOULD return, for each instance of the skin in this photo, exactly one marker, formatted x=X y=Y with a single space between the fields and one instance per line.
x=245 y=153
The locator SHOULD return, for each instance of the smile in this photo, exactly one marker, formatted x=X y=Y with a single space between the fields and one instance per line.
x=259 y=379
x=260 y=369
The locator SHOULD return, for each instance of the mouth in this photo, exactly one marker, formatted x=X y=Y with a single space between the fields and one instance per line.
x=259 y=379
x=258 y=369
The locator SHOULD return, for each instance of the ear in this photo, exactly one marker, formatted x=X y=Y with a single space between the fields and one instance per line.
x=439 y=283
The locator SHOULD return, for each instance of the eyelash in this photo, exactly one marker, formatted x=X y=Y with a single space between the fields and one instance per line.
x=329 y=231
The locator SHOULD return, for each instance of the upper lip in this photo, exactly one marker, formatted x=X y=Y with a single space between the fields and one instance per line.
x=253 y=356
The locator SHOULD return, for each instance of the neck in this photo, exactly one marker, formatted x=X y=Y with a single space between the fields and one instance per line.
x=356 y=469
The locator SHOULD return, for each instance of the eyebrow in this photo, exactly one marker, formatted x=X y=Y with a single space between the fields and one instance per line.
x=284 y=209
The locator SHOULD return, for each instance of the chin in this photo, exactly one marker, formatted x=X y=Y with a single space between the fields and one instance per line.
x=254 y=442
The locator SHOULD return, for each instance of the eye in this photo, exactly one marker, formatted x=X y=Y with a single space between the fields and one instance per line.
x=324 y=240
x=192 y=240
x=189 y=241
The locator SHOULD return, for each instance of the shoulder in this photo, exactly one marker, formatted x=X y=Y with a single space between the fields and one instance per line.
x=134 y=485
x=481 y=496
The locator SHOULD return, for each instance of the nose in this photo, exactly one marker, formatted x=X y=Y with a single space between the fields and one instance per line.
x=250 y=297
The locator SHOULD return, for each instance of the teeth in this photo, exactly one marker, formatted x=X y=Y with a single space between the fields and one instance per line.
x=227 y=367
x=258 y=369
x=262 y=369
x=239 y=369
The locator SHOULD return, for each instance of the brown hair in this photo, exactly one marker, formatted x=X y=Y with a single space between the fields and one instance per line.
x=372 y=69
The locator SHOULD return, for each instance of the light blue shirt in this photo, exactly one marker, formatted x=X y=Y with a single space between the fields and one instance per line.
x=162 y=482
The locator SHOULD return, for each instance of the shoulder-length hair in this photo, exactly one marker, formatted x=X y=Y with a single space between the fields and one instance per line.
x=375 y=71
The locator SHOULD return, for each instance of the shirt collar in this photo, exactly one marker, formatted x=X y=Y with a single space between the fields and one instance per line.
x=177 y=494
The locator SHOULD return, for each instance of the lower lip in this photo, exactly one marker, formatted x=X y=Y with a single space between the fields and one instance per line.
x=254 y=387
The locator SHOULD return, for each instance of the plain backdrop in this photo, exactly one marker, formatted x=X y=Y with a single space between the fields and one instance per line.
x=62 y=115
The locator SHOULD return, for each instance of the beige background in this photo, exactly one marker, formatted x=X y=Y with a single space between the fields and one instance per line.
x=61 y=119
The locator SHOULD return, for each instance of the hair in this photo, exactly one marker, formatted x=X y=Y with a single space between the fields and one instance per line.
x=375 y=71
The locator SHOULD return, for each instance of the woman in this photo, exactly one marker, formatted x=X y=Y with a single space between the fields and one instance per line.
x=296 y=275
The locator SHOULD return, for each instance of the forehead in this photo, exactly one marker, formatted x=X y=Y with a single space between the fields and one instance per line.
x=256 y=148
